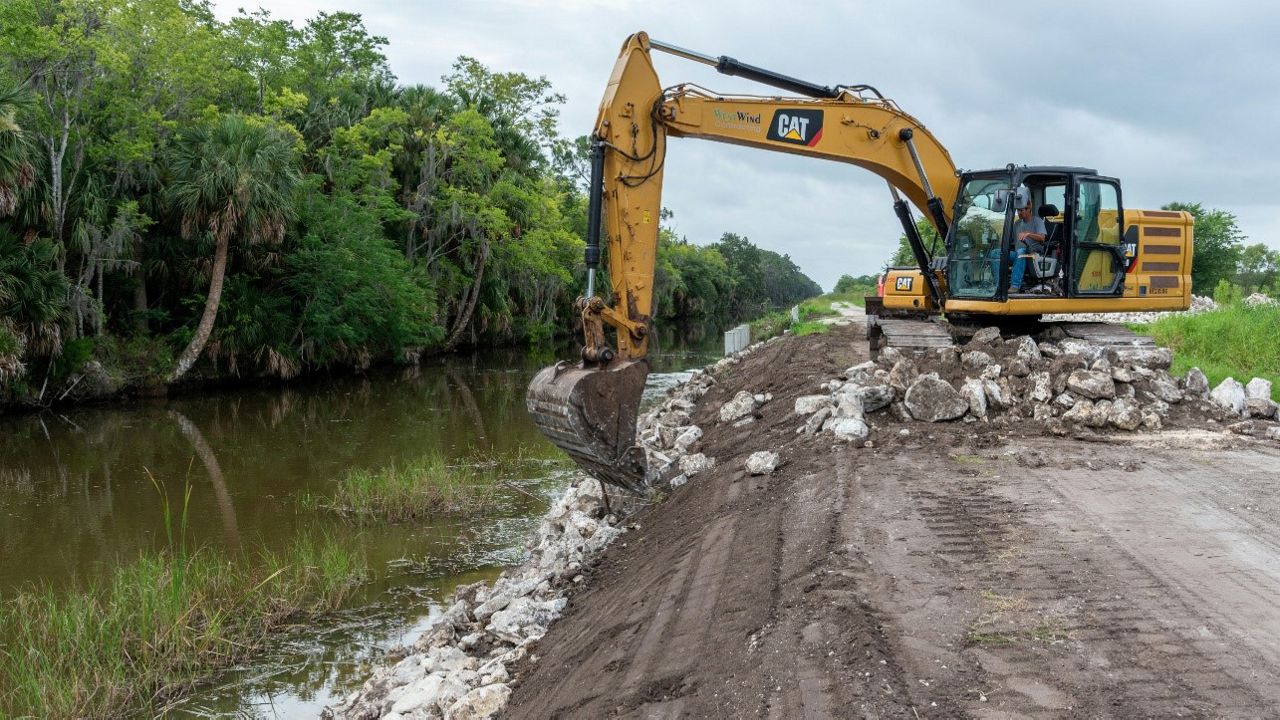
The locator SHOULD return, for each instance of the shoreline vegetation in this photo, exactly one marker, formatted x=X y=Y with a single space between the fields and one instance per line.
x=161 y=624
x=429 y=486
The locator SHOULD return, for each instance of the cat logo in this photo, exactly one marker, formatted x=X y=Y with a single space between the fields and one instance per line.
x=798 y=127
x=902 y=284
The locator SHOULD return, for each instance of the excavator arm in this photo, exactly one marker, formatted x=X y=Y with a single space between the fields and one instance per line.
x=589 y=409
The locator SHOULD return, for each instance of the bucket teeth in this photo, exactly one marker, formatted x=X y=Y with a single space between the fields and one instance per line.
x=590 y=413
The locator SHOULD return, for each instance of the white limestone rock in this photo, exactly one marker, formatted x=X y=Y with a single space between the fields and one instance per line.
x=876 y=397
x=986 y=336
x=974 y=393
x=1264 y=408
x=480 y=704
x=1125 y=414
x=1166 y=388
x=1195 y=385
x=809 y=404
x=698 y=462
x=686 y=439
x=524 y=618
x=849 y=429
x=1157 y=357
x=762 y=462
x=1041 y=387
x=1258 y=388
x=739 y=407
x=848 y=402
x=816 y=421
x=1079 y=413
x=1230 y=396
x=1093 y=384
x=861 y=373
x=932 y=399
x=1028 y=351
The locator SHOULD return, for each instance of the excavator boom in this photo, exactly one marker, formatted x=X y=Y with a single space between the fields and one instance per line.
x=589 y=409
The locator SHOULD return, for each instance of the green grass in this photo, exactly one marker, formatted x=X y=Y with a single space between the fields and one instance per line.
x=809 y=328
x=821 y=306
x=159 y=625
x=775 y=323
x=990 y=639
x=429 y=486
x=1234 y=341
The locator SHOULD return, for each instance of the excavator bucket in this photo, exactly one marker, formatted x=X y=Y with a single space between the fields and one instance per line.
x=590 y=413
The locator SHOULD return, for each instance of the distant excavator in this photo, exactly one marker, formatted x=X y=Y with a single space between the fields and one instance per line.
x=1094 y=255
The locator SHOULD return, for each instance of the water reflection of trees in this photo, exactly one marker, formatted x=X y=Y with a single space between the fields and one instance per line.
x=75 y=494
x=214 y=472
x=81 y=480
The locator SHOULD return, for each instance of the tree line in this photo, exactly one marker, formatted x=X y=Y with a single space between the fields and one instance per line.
x=259 y=198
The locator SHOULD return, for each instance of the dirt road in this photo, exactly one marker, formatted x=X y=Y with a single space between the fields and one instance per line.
x=952 y=571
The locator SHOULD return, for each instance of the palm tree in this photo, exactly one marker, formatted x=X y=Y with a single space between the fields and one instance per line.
x=234 y=180
x=15 y=170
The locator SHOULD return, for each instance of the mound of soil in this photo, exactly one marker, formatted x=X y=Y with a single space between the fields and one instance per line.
x=935 y=570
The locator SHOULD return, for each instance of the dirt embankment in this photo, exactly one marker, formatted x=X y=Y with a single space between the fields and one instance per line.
x=950 y=569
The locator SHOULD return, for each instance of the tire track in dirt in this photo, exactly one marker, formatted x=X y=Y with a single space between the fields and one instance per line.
x=1045 y=614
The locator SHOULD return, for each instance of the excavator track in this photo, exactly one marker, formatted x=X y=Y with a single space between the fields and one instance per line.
x=922 y=334
x=907 y=334
x=1099 y=333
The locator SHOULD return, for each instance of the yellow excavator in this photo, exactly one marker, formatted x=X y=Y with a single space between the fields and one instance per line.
x=1092 y=255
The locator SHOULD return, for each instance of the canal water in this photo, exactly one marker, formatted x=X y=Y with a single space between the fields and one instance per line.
x=80 y=492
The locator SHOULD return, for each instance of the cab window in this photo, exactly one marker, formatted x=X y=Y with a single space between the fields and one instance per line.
x=976 y=232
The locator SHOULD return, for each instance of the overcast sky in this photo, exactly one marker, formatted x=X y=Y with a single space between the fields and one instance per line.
x=1178 y=100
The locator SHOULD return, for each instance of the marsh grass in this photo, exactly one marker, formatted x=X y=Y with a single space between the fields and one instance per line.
x=423 y=488
x=1233 y=341
x=160 y=624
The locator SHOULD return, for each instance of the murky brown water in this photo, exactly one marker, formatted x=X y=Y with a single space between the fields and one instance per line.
x=77 y=498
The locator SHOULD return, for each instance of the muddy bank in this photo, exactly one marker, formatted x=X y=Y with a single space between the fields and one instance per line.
x=894 y=567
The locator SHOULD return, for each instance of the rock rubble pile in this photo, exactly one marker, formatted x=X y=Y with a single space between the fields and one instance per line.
x=1199 y=304
x=668 y=434
x=458 y=669
x=1063 y=384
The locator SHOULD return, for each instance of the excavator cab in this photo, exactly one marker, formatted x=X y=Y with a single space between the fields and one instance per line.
x=1083 y=253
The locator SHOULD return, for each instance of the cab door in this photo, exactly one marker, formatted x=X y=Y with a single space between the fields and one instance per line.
x=1097 y=257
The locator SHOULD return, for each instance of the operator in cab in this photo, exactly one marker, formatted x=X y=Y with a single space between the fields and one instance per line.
x=1029 y=236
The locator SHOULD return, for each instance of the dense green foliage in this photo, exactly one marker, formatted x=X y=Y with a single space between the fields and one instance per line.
x=730 y=279
x=848 y=284
x=903 y=257
x=269 y=198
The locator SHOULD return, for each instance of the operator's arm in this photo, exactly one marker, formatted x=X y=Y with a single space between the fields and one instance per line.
x=1037 y=233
